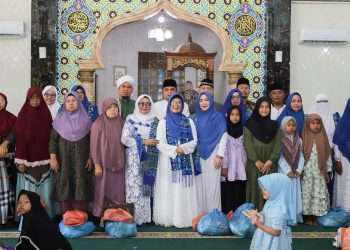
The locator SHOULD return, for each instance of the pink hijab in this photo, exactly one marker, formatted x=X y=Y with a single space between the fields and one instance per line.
x=106 y=147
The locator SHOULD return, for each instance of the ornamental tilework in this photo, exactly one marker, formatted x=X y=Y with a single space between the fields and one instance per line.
x=95 y=13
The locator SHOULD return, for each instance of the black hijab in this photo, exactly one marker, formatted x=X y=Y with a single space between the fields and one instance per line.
x=263 y=128
x=234 y=129
x=38 y=231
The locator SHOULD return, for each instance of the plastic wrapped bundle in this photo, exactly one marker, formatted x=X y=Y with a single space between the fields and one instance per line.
x=76 y=231
x=75 y=218
x=214 y=223
x=240 y=224
x=336 y=217
x=118 y=215
x=120 y=229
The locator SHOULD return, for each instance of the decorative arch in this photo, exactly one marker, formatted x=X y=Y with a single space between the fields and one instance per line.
x=87 y=67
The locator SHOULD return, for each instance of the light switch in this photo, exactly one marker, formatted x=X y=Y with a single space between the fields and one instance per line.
x=42 y=52
x=278 y=56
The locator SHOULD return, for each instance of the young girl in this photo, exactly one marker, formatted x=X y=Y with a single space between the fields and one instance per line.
x=233 y=172
x=291 y=161
x=318 y=163
x=38 y=231
x=273 y=231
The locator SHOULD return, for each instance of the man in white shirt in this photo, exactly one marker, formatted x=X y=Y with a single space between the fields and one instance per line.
x=169 y=87
x=277 y=94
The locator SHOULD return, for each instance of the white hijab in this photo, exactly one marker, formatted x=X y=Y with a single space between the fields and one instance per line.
x=56 y=105
x=144 y=119
x=323 y=109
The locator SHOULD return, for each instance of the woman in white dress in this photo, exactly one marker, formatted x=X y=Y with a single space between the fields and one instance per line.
x=139 y=137
x=211 y=147
x=342 y=157
x=175 y=199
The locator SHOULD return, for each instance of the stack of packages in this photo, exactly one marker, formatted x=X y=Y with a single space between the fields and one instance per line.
x=119 y=223
x=216 y=223
x=75 y=224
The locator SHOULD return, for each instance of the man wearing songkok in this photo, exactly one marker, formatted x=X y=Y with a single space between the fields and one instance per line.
x=206 y=85
x=160 y=107
x=277 y=94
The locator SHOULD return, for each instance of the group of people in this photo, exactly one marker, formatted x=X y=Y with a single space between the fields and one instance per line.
x=171 y=159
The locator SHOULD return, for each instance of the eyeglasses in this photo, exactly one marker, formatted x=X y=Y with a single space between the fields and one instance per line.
x=176 y=103
x=79 y=92
x=236 y=97
x=145 y=104
x=50 y=95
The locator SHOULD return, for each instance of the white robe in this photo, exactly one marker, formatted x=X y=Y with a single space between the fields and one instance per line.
x=275 y=113
x=285 y=168
x=341 y=193
x=161 y=106
x=208 y=182
x=174 y=204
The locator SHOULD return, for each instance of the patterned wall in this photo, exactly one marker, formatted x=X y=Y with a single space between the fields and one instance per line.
x=244 y=21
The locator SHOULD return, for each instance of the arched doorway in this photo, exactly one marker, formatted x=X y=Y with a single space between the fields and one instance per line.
x=88 y=67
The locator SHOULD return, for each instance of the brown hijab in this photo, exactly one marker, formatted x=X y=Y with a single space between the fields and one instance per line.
x=321 y=140
x=106 y=147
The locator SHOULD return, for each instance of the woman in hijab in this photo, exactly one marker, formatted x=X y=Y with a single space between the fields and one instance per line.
x=7 y=167
x=69 y=152
x=233 y=173
x=294 y=108
x=323 y=109
x=291 y=162
x=139 y=136
x=211 y=147
x=235 y=97
x=32 y=129
x=108 y=155
x=38 y=231
x=175 y=199
x=273 y=225
x=262 y=140
x=51 y=99
x=342 y=158
x=91 y=109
